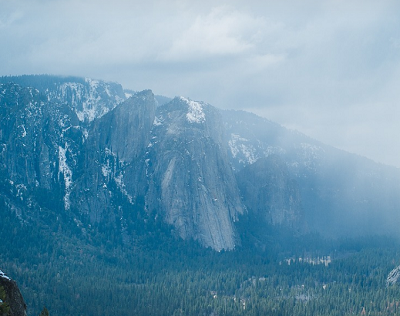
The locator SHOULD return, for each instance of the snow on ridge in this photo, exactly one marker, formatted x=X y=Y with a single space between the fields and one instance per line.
x=92 y=83
x=85 y=98
x=195 y=112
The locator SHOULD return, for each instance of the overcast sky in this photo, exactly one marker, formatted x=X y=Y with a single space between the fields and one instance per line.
x=330 y=69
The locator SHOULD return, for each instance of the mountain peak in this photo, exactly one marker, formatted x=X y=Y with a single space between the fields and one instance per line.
x=195 y=112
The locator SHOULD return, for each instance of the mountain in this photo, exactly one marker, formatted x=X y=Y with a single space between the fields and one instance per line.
x=83 y=157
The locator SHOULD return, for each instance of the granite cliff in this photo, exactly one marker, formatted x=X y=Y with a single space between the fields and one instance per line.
x=190 y=178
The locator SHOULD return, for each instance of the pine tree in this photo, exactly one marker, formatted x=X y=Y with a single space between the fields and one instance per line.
x=44 y=312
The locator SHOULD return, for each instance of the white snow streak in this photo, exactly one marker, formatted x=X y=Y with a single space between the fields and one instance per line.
x=119 y=180
x=64 y=169
x=24 y=131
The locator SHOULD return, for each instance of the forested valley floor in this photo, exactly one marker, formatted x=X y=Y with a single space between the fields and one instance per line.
x=342 y=277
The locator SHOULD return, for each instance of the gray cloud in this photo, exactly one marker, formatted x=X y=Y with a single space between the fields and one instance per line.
x=328 y=68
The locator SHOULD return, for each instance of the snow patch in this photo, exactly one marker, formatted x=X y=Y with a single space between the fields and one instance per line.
x=65 y=170
x=239 y=145
x=233 y=144
x=195 y=112
x=157 y=121
x=85 y=133
x=119 y=180
x=106 y=170
x=21 y=188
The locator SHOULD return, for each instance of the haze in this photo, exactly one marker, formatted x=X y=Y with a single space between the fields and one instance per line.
x=330 y=69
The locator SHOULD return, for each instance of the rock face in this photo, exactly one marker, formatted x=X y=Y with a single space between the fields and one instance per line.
x=77 y=153
x=270 y=193
x=190 y=178
x=113 y=159
x=13 y=296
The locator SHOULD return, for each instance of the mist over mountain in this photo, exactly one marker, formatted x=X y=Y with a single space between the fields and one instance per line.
x=82 y=152
x=340 y=194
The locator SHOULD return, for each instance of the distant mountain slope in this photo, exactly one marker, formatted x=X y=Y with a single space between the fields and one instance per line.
x=341 y=194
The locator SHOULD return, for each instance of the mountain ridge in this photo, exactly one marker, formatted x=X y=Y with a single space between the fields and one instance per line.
x=112 y=163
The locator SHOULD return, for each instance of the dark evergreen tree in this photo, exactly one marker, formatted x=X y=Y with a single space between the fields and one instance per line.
x=44 y=312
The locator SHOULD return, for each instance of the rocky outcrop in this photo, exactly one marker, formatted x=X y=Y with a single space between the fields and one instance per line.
x=393 y=276
x=13 y=296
